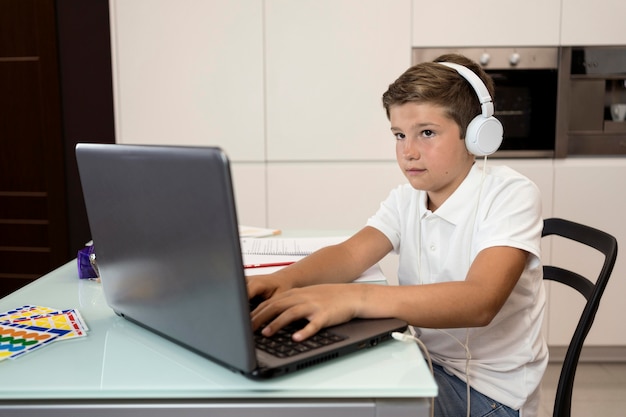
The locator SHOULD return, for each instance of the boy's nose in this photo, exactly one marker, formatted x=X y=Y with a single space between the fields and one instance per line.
x=411 y=149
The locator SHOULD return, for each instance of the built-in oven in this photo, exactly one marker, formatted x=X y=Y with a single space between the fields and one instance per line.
x=525 y=101
x=591 y=118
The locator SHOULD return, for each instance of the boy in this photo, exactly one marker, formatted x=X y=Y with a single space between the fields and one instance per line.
x=468 y=239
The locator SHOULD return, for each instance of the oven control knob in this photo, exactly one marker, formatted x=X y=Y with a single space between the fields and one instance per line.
x=514 y=59
x=484 y=59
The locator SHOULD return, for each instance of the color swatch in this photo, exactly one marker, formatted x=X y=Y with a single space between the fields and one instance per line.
x=27 y=328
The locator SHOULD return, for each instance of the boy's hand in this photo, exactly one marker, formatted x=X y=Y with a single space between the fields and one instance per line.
x=265 y=286
x=321 y=305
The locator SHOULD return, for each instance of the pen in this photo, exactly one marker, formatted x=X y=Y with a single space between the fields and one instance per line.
x=268 y=265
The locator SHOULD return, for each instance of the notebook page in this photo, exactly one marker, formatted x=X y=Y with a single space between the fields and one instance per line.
x=287 y=246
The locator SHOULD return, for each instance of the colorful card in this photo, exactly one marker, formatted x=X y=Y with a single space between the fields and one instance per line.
x=25 y=311
x=66 y=319
x=17 y=339
x=29 y=327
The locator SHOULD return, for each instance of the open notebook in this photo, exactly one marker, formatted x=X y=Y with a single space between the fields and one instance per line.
x=280 y=250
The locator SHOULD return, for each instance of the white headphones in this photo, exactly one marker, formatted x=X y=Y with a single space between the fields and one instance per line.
x=484 y=133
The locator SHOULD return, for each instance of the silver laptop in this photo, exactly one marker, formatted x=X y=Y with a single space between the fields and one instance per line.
x=164 y=226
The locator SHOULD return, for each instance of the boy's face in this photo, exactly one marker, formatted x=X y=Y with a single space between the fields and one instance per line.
x=429 y=149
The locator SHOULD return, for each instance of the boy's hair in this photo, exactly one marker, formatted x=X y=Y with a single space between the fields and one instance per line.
x=437 y=84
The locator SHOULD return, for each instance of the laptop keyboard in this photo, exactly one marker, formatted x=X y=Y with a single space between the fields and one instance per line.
x=281 y=344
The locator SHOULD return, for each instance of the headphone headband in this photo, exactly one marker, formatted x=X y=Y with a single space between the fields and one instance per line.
x=486 y=103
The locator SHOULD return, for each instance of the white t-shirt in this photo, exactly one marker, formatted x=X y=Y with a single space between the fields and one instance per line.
x=501 y=208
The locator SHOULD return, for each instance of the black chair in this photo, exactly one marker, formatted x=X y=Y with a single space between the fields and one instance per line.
x=606 y=244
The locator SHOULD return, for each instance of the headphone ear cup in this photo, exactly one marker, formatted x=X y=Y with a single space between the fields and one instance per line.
x=483 y=135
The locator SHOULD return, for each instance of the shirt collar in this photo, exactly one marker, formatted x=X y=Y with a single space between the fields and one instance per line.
x=454 y=209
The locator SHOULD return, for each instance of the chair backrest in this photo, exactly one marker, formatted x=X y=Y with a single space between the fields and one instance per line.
x=606 y=244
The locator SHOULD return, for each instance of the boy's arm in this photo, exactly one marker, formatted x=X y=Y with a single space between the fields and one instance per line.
x=472 y=302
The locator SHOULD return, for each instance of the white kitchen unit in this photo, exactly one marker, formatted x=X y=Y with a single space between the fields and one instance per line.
x=328 y=63
x=599 y=22
x=250 y=187
x=189 y=72
x=590 y=191
x=328 y=195
x=486 y=23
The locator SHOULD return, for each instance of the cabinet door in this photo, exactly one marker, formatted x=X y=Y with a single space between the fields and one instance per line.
x=190 y=72
x=486 y=22
x=328 y=195
x=250 y=191
x=328 y=63
x=589 y=191
x=593 y=22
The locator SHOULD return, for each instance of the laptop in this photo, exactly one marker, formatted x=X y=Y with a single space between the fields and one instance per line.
x=165 y=231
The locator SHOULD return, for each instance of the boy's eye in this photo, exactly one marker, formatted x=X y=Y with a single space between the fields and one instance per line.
x=399 y=136
x=428 y=133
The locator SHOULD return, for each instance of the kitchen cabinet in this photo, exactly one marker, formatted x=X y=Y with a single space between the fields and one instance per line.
x=250 y=189
x=486 y=23
x=593 y=22
x=328 y=63
x=190 y=72
x=590 y=191
x=328 y=195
